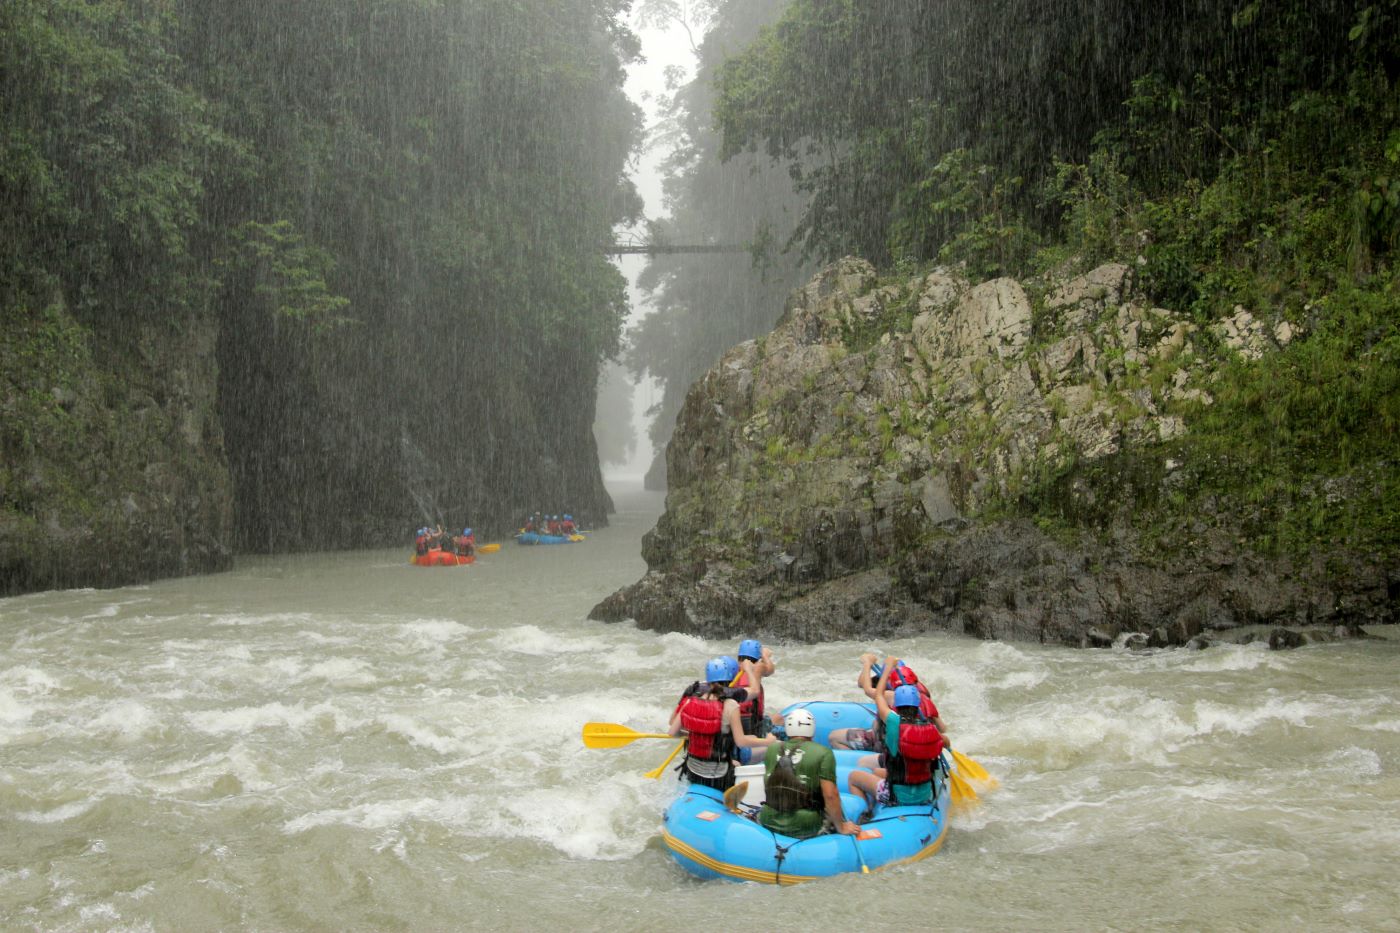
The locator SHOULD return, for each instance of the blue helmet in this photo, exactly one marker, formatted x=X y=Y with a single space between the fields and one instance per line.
x=751 y=648
x=731 y=666
x=717 y=671
x=466 y=532
x=568 y=518
x=908 y=695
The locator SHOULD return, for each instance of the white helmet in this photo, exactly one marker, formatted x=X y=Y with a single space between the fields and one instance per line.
x=800 y=723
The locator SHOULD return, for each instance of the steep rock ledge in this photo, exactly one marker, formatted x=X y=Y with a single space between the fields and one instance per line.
x=849 y=475
x=113 y=469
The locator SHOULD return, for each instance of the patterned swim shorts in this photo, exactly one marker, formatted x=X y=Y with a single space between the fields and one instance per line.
x=861 y=740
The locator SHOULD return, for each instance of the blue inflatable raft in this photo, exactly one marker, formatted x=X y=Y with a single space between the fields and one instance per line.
x=710 y=841
x=532 y=537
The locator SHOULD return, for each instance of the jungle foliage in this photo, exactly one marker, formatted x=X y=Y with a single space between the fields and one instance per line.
x=395 y=209
x=706 y=304
x=1237 y=154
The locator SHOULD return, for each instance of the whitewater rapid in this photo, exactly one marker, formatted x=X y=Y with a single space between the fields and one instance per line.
x=347 y=742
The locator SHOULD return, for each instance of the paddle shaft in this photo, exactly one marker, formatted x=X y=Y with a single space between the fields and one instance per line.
x=613 y=735
x=659 y=769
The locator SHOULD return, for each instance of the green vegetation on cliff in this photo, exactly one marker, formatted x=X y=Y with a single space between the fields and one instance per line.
x=1236 y=155
x=357 y=244
x=703 y=305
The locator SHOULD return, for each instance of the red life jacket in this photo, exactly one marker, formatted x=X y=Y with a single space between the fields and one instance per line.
x=919 y=746
x=904 y=676
x=751 y=710
x=703 y=718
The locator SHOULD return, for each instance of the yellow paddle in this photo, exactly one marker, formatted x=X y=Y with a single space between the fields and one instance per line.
x=973 y=769
x=860 y=857
x=962 y=792
x=656 y=772
x=612 y=735
x=488 y=549
x=735 y=796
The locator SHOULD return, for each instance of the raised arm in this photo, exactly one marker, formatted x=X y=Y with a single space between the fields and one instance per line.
x=755 y=672
x=736 y=729
x=881 y=703
x=867 y=661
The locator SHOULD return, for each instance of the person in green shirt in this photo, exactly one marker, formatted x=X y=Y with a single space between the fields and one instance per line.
x=799 y=783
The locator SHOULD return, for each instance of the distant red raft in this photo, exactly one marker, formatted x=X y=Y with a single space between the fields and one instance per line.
x=440 y=558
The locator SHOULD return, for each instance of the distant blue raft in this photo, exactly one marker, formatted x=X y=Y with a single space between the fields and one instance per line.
x=709 y=841
x=532 y=537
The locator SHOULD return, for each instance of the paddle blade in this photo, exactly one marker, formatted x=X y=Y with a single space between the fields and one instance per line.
x=660 y=769
x=973 y=770
x=962 y=792
x=612 y=735
x=735 y=796
x=488 y=549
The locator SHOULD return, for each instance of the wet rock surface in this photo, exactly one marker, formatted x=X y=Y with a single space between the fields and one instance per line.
x=823 y=490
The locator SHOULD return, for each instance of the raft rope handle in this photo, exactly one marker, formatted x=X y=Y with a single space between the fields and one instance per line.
x=781 y=853
x=942 y=766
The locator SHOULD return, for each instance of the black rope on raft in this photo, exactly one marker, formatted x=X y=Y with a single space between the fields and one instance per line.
x=942 y=766
x=781 y=853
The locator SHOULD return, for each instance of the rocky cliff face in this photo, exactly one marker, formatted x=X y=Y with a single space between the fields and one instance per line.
x=133 y=450
x=112 y=468
x=855 y=473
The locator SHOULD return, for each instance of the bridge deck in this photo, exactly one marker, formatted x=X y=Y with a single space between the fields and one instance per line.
x=664 y=249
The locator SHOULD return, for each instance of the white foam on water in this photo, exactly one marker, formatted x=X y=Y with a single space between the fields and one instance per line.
x=176 y=651
x=381 y=815
x=288 y=667
x=536 y=642
x=13 y=712
x=1019 y=680
x=59 y=814
x=1231 y=658
x=1117 y=725
x=248 y=719
x=614 y=665
x=322 y=638
x=433 y=634
x=127 y=720
x=421 y=735
x=344 y=672
x=29 y=680
x=682 y=644
x=1354 y=760
x=643 y=714
x=581 y=822
x=1214 y=717
x=96 y=912
x=238 y=620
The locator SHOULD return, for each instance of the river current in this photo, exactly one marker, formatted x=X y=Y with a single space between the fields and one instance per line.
x=347 y=742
